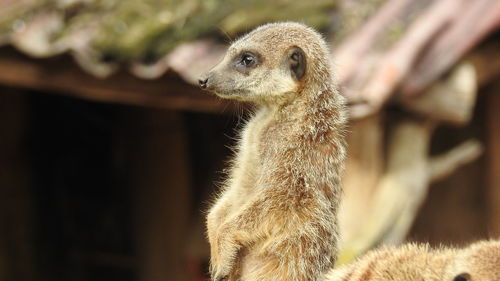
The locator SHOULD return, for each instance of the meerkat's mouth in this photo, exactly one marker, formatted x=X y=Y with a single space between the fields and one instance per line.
x=242 y=95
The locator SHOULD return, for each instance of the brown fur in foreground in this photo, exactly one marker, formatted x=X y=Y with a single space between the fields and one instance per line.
x=411 y=262
x=276 y=216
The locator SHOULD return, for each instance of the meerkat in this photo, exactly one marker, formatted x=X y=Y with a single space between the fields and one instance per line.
x=412 y=262
x=275 y=218
x=478 y=262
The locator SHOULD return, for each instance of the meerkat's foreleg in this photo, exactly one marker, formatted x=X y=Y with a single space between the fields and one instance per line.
x=296 y=238
x=229 y=237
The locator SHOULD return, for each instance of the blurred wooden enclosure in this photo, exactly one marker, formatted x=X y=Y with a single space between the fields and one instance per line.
x=109 y=153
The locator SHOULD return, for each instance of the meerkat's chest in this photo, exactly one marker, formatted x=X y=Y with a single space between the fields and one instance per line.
x=249 y=162
x=261 y=138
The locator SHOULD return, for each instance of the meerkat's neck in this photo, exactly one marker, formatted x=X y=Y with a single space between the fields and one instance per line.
x=318 y=110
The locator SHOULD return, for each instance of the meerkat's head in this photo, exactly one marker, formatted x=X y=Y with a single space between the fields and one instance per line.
x=270 y=65
x=479 y=262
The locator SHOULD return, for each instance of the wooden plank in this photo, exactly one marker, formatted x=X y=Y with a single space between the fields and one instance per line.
x=16 y=228
x=62 y=76
x=493 y=154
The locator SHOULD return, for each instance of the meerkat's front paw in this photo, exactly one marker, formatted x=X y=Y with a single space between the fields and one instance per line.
x=220 y=266
x=224 y=251
x=217 y=277
x=220 y=272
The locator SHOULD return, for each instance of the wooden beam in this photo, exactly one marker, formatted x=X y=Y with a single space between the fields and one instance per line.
x=474 y=21
x=62 y=76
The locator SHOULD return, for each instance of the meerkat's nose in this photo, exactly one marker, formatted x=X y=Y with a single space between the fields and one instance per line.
x=203 y=82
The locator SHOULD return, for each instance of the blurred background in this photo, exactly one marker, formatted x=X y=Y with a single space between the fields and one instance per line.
x=110 y=154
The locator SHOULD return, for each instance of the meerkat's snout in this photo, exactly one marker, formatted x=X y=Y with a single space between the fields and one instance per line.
x=208 y=81
x=203 y=81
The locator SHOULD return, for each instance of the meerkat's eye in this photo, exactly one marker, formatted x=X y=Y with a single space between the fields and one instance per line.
x=247 y=60
x=462 y=277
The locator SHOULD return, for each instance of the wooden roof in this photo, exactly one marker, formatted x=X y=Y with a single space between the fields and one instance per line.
x=397 y=49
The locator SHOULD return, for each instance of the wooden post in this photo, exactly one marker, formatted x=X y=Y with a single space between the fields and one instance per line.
x=493 y=155
x=155 y=149
x=16 y=247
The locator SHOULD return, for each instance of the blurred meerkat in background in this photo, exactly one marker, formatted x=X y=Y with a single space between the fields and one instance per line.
x=412 y=262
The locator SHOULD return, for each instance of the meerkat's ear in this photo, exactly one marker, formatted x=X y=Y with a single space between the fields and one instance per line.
x=462 y=277
x=297 y=62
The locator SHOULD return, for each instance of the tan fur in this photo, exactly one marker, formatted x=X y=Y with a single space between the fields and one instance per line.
x=276 y=216
x=481 y=261
x=478 y=262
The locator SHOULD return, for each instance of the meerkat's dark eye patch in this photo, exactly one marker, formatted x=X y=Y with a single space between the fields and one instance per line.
x=462 y=277
x=297 y=62
x=245 y=61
